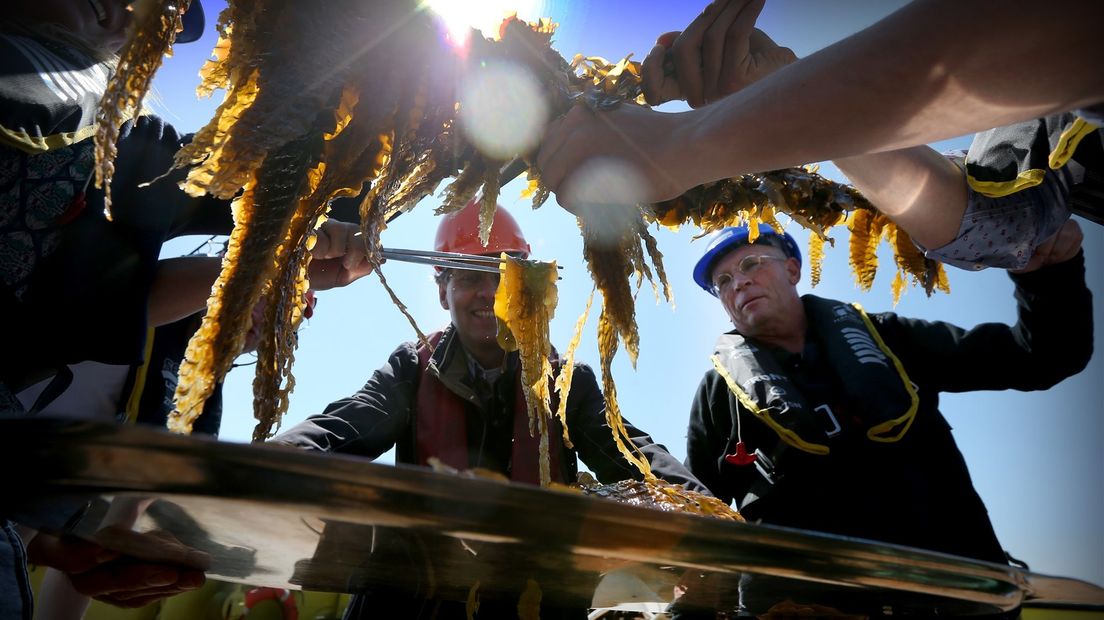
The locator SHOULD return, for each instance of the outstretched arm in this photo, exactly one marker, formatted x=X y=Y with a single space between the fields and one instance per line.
x=933 y=70
x=1050 y=341
x=369 y=422
x=922 y=191
x=183 y=284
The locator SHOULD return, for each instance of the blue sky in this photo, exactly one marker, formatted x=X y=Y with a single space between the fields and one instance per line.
x=1035 y=457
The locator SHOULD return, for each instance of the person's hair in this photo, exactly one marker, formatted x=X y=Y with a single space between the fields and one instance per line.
x=442 y=276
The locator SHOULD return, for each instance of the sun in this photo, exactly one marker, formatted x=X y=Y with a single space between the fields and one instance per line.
x=483 y=15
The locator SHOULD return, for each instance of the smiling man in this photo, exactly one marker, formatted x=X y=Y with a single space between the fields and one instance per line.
x=822 y=417
x=461 y=402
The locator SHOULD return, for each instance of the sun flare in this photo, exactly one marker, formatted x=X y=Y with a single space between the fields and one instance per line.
x=483 y=15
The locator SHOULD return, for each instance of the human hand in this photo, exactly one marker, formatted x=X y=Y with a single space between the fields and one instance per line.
x=164 y=567
x=1059 y=248
x=719 y=53
x=338 y=257
x=652 y=145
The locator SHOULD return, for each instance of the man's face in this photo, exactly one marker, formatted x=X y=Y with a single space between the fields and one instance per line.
x=100 y=23
x=469 y=298
x=757 y=286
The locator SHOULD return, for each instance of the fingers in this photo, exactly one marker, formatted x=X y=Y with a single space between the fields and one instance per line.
x=686 y=52
x=1067 y=241
x=122 y=580
x=726 y=48
x=327 y=273
x=330 y=240
x=339 y=256
x=130 y=583
x=156 y=546
x=67 y=554
x=761 y=57
x=657 y=76
x=1059 y=248
x=667 y=38
x=718 y=54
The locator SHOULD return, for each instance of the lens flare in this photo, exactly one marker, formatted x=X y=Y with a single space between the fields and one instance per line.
x=597 y=188
x=502 y=110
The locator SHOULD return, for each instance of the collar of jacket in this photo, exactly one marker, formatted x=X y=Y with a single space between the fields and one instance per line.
x=449 y=364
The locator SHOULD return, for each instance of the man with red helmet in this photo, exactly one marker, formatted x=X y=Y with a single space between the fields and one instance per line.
x=461 y=403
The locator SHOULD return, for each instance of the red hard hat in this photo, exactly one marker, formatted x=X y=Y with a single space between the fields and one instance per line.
x=459 y=232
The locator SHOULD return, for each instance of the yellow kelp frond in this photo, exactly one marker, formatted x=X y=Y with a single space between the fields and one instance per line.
x=525 y=303
x=528 y=606
x=215 y=73
x=897 y=287
x=284 y=301
x=152 y=31
x=488 y=204
x=262 y=217
x=660 y=495
x=402 y=308
x=612 y=238
x=567 y=369
x=471 y=607
x=768 y=216
x=926 y=273
x=536 y=190
x=611 y=248
x=806 y=197
x=866 y=234
x=461 y=191
x=531 y=186
x=206 y=143
x=656 y=257
x=295 y=82
x=607 y=348
x=816 y=258
x=942 y=283
x=620 y=80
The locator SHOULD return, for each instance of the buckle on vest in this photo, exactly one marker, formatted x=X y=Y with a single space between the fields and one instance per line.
x=836 y=428
x=766 y=468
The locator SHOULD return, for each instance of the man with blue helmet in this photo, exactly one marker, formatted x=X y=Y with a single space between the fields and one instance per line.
x=820 y=416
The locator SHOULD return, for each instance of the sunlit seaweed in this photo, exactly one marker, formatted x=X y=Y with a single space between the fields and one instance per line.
x=153 y=29
x=359 y=99
x=525 y=303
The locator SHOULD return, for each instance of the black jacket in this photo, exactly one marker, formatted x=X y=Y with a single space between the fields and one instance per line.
x=74 y=285
x=381 y=416
x=917 y=491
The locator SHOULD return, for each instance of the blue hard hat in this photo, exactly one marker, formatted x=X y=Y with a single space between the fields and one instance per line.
x=193 y=23
x=733 y=237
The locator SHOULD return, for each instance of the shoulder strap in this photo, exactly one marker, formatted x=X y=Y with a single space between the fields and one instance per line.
x=761 y=387
x=873 y=377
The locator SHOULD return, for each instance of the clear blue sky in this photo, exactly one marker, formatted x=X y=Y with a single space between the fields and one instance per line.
x=1036 y=458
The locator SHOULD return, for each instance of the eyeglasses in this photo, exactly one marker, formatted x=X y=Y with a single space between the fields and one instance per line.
x=747 y=266
x=469 y=280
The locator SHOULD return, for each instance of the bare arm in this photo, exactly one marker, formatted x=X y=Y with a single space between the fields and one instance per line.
x=920 y=190
x=183 y=284
x=182 y=287
x=933 y=70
